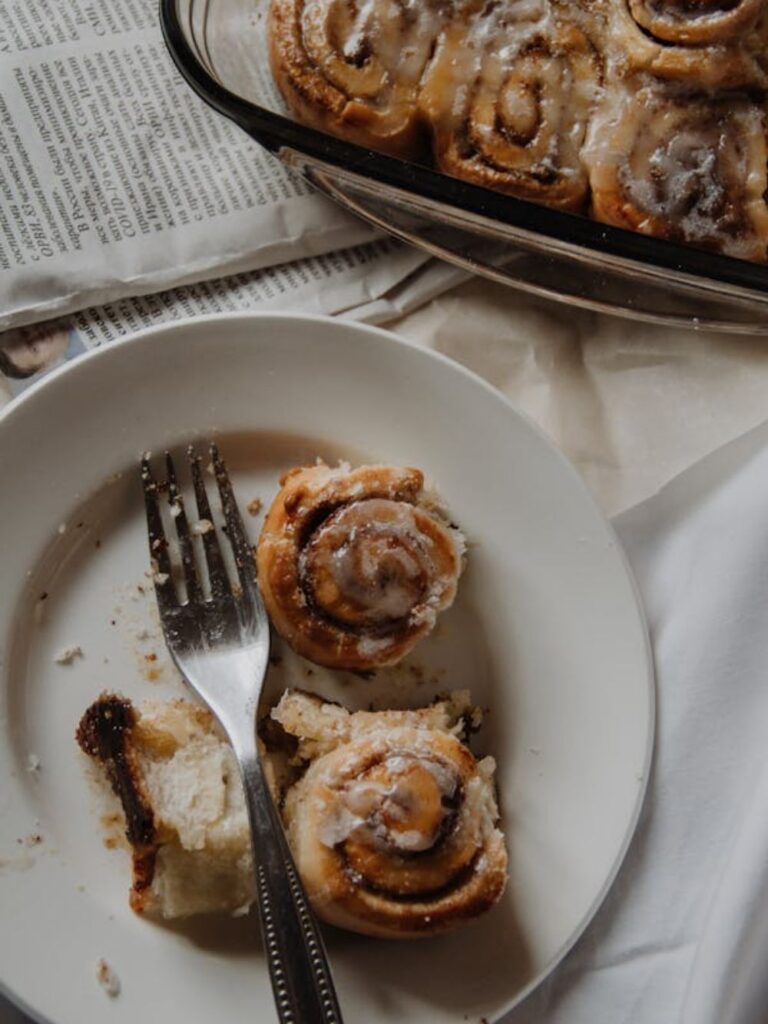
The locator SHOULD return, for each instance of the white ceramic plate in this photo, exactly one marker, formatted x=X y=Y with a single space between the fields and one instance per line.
x=547 y=633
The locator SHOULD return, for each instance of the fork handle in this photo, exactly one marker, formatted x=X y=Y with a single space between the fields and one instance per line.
x=298 y=965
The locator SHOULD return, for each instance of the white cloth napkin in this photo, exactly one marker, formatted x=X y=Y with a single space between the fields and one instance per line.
x=683 y=935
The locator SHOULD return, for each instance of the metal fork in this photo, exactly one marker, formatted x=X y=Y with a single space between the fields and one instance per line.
x=219 y=641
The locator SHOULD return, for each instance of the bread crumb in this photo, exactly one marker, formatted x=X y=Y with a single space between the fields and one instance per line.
x=254 y=506
x=201 y=527
x=68 y=654
x=108 y=980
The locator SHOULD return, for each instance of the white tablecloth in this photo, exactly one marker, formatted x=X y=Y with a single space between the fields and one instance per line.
x=683 y=936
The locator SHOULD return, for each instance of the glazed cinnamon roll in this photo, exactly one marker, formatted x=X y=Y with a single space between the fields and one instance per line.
x=687 y=168
x=394 y=827
x=508 y=103
x=353 y=68
x=355 y=564
x=705 y=43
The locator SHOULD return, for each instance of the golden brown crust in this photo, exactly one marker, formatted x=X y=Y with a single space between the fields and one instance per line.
x=354 y=565
x=394 y=834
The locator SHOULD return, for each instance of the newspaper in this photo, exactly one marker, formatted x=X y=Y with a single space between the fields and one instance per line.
x=373 y=283
x=117 y=180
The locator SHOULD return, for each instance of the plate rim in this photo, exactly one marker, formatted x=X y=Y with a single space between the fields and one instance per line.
x=31 y=393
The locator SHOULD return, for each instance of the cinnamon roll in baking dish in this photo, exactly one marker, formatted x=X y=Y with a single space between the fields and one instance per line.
x=393 y=825
x=355 y=564
x=508 y=99
x=353 y=67
x=504 y=93
x=706 y=43
x=683 y=167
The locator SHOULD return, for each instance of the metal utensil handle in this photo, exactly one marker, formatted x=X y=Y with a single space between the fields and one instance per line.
x=298 y=965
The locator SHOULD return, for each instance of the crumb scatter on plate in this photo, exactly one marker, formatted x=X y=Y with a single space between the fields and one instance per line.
x=107 y=978
x=67 y=655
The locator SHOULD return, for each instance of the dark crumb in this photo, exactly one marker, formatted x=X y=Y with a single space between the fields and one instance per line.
x=275 y=659
x=274 y=736
x=417 y=671
x=97 y=544
x=80 y=525
x=309 y=672
x=43 y=596
x=363 y=673
x=150 y=657
x=112 y=622
x=254 y=506
x=140 y=589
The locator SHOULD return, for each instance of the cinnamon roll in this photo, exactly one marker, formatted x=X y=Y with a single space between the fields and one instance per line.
x=355 y=564
x=705 y=43
x=687 y=168
x=508 y=102
x=353 y=68
x=394 y=827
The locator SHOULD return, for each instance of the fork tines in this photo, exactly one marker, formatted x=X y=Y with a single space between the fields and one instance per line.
x=218 y=577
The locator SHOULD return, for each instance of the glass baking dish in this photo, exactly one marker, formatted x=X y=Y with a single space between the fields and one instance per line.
x=220 y=47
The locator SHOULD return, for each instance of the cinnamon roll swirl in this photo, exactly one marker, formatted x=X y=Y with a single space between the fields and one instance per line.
x=355 y=565
x=687 y=168
x=353 y=67
x=394 y=827
x=696 y=21
x=706 y=43
x=508 y=106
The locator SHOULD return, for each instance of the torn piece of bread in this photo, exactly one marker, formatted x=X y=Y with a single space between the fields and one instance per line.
x=179 y=786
